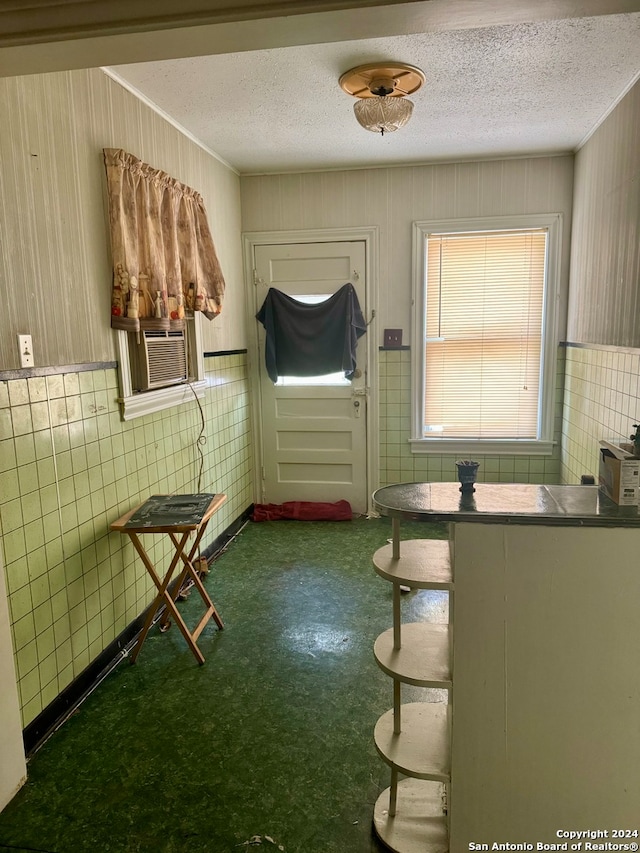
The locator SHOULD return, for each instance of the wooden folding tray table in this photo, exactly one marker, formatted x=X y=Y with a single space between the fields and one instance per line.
x=178 y=516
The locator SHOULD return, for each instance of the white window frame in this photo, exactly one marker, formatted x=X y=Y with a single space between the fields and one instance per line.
x=543 y=444
x=137 y=404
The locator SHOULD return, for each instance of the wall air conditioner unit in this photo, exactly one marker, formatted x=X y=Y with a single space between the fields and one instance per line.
x=158 y=359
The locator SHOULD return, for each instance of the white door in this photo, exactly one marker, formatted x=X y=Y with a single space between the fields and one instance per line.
x=314 y=433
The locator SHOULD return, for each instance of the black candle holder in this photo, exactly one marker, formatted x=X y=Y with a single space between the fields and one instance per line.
x=467 y=475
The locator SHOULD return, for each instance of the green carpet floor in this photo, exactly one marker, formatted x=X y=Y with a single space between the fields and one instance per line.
x=272 y=737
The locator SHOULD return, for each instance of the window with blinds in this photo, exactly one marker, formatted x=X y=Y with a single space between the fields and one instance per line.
x=484 y=320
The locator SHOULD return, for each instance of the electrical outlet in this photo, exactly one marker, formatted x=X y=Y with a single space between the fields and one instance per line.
x=25 y=348
x=393 y=338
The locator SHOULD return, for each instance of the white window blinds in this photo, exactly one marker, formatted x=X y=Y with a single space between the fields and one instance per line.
x=484 y=323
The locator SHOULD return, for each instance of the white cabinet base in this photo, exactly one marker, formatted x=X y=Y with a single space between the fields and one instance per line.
x=419 y=825
x=547 y=682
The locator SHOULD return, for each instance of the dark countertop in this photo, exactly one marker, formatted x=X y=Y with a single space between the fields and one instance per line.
x=504 y=503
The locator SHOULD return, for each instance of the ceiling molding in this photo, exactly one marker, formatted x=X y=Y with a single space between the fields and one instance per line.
x=409 y=165
x=608 y=112
x=42 y=36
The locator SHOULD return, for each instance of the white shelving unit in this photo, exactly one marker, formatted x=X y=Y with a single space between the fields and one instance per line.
x=545 y=605
x=414 y=738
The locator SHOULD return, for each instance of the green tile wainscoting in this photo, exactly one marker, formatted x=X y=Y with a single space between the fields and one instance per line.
x=602 y=401
x=398 y=464
x=69 y=466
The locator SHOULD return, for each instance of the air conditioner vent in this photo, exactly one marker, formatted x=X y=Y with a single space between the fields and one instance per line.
x=160 y=359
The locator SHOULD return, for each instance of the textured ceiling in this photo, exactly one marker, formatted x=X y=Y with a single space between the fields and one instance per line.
x=494 y=92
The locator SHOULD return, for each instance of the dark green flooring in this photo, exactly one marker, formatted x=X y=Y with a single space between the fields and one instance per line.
x=271 y=737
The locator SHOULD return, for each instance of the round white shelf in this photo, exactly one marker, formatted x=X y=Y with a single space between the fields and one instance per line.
x=419 y=824
x=424 y=657
x=421 y=749
x=423 y=563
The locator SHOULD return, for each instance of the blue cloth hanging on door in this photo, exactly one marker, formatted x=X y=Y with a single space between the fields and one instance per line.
x=311 y=340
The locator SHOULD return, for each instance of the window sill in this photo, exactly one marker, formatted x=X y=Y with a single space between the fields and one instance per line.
x=149 y=402
x=482 y=446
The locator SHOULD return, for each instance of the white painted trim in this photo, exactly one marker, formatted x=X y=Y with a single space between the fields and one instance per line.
x=137 y=405
x=168 y=118
x=483 y=447
x=124 y=367
x=150 y=402
x=370 y=235
x=418 y=272
x=13 y=768
x=544 y=442
x=195 y=351
x=551 y=312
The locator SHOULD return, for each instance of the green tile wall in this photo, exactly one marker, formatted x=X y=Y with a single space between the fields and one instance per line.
x=68 y=468
x=602 y=401
x=398 y=464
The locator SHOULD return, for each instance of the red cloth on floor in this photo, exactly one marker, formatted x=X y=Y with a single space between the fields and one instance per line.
x=303 y=511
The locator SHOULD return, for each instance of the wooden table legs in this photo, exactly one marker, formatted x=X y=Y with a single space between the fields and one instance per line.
x=165 y=597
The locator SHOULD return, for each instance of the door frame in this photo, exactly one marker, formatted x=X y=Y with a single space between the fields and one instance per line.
x=370 y=235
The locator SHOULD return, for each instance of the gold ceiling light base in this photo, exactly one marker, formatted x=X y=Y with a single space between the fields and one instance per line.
x=381 y=89
x=358 y=81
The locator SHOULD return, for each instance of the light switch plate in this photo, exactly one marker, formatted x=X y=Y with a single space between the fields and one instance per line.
x=25 y=348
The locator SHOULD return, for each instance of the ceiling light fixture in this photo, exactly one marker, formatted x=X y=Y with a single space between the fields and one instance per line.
x=381 y=89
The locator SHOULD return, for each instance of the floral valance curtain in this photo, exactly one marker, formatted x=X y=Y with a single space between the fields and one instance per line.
x=164 y=261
